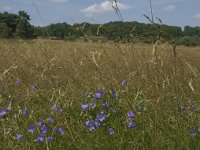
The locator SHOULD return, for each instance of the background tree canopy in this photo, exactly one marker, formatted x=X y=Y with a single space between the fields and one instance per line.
x=18 y=25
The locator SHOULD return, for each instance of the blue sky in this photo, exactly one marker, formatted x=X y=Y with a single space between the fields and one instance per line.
x=172 y=12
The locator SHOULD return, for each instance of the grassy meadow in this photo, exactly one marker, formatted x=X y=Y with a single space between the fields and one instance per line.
x=132 y=100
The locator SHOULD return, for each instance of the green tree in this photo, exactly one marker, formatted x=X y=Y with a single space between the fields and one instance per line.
x=10 y=20
x=24 y=29
x=6 y=32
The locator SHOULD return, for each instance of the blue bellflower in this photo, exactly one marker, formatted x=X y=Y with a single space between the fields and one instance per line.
x=54 y=107
x=18 y=81
x=86 y=94
x=31 y=128
x=90 y=125
x=98 y=94
x=111 y=131
x=25 y=112
x=34 y=86
x=50 y=120
x=44 y=129
x=106 y=105
x=19 y=136
x=59 y=131
x=192 y=133
x=85 y=107
x=124 y=83
x=40 y=138
x=49 y=138
x=114 y=94
x=101 y=117
x=97 y=124
x=131 y=125
x=131 y=115
x=3 y=112
x=40 y=123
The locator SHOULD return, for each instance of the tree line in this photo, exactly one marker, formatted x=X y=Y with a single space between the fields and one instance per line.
x=18 y=26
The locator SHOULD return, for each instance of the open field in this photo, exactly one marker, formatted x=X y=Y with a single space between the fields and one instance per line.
x=163 y=94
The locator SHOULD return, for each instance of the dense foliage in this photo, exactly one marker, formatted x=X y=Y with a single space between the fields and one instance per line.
x=12 y=25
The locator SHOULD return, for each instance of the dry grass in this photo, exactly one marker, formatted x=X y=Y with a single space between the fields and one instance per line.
x=63 y=71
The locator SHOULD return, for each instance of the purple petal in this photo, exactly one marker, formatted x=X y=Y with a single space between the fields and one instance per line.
x=131 y=115
x=192 y=133
x=25 y=112
x=31 y=128
x=49 y=138
x=124 y=83
x=50 y=120
x=85 y=107
x=19 y=136
x=40 y=138
x=131 y=125
x=111 y=131
x=3 y=112
x=40 y=123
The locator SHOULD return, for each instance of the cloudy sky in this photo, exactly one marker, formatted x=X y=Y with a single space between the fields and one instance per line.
x=43 y=12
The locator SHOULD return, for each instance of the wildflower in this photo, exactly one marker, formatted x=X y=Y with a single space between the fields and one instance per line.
x=34 y=86
x=31 y=128
x=192 y=133
x=106 y=105
x=44 y=129
x=19 y=136
x=114 y=94
x=86 y=94
x=131 y=115
x=3 y=112
x=111 y=131
x=60 y=131
x=102 y=112
x=101 y=117
x=25 y=112
x=40 y=138
x=97 y=124
x=60 y=110
x=49 y=138
x=124 y=83
x=98 y=94
x=18 y=81
x=140 y=109
x=50 y=120
x=90 y=125
x=40 y=123
x=85 y=107
x=54 y=107
x=131 y=125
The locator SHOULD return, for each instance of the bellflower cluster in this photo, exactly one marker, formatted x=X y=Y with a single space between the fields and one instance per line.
x=131 y=124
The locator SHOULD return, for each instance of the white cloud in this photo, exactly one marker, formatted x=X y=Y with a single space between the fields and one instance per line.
x=5 y=8
x=103 y=7
x=59 y=1
x=170 y=8
x=196 y=16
